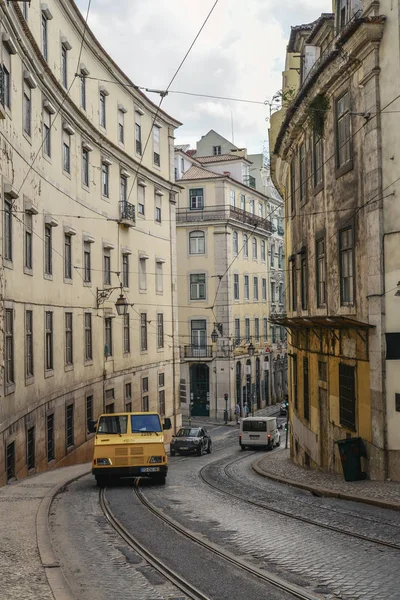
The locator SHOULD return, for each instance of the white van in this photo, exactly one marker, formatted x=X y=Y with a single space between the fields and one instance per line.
x=258 y=432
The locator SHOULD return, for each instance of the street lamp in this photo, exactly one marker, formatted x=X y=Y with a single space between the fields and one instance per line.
x=214 y=336
x=121 y=304
x=251 y=349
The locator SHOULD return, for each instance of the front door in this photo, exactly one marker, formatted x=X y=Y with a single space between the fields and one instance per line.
x=200 y=390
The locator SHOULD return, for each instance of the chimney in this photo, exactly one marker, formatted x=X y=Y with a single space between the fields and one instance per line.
x=227 y=173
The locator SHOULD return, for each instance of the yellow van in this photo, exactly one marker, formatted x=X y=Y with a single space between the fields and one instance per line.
x=129 y=445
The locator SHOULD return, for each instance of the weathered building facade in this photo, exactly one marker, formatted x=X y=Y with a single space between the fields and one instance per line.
x=230 y=265
x=331 y=161
x=88 y=213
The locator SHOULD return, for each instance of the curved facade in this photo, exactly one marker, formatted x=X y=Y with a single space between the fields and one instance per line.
x=86 y=206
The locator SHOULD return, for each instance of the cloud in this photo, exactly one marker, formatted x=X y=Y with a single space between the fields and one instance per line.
x=240 y=53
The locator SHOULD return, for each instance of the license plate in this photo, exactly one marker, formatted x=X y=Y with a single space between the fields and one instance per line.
x=183 y=448
x=254 y=437
x=149 y=469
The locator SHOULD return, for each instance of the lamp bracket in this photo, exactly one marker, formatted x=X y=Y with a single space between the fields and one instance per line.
x=103 y=295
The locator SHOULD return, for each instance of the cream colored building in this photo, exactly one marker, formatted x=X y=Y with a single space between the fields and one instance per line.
x=224 y=283
x=87 y=205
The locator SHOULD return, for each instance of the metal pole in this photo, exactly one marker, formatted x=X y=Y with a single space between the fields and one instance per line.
x=287 y=428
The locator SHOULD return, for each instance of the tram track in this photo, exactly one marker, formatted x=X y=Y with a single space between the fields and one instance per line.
x=283 y=512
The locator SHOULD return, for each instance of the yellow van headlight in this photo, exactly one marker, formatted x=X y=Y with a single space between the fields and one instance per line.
x=101 y=462
x=156 y=459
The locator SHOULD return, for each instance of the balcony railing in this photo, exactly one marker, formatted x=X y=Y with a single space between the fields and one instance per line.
x=196 y=352
x=222 y=213
x=127 y=211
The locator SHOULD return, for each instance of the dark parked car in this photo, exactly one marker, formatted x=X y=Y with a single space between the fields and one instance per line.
x=284 y=407
x=191 y=440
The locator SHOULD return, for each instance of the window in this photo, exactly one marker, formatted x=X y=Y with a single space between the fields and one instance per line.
x=156 y=146
x=107 y=267
x=343 y=131
x=303 y=173
x=10 y=461
x=322 y=370
x=125 y=270
x=251 y=206
x=159 y=277
x=318 y=160
x=254 y=249
x=88 y=337
x=28 y=241
x=89 y=411
x=237 y=331
x=49 y=340
x=292 y=187
x=50 y=437
x=6 y=77
x=347 y=396
x=30 y=448
x=232 y=198
x=161 y=402
x=105 y=180
x=46 y=133
x=257 y=329
x=198 y=286
x=145 y=403
x=48 y=250
x=67 y=257
x=142 y=274
x=9 y=347
x=293 y=285
x=216 y=150
x=110 y=408
x=262 y=250
x=280 y=257
x=64 y=66
x=158 y=214
x=85 y=167
x=127 y=334
x=8 y=237
x=66 y=152
x=306 y=389
x=25 y=10
x=196 y=242
x=255 y=282
x=321 y=272
x=272 y=255
x=123 y=185
x=265 y=328
x=87 y=269
x=160 y=330
x=27 y=109
x=199 y=333
x=138 y=134
x=242 y=202
x=45 y=48
x=247 y=329
x=304 y=281
x=69 y=425
x=69 y=354
x=245 y=245
x=141 y=197
x=280 y=293
x=264 y=289
x=83 y=90
x=196 y=199
x=246 y=287
x=108 y=347
x=121 y=132
x=102 y=100
x=346 y=247
x=273 y=294
x=161 y=380
x=235 y=241
x=128 y=391
x=143 y=332
x=236 y=286
x=29 y=344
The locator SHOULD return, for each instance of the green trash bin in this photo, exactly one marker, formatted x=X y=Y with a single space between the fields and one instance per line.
x=351 y=450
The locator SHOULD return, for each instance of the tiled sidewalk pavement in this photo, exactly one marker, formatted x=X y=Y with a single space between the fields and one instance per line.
x=263 y=412
x=22 y=575
x=277 y=465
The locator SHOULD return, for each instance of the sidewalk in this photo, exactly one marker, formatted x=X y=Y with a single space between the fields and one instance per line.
x=278 y=466
x=28 y=568
x=268 y=411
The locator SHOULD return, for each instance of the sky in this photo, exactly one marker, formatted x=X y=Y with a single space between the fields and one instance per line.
x=240 y=53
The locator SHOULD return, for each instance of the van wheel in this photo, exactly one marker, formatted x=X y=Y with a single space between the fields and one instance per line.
x=209 y=448
x=242 y=447
x=101 y=482
x=172 y=452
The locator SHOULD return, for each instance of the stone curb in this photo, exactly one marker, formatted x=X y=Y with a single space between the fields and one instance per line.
x=54 y=574
x=320 y=491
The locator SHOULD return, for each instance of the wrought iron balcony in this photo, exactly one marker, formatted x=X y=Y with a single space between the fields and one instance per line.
x=222 y=213
x=196 y=352
x=127 y=214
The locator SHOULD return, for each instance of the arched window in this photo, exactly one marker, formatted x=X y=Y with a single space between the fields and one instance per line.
x=254 y=248
x=235 y=243
x=263 y=250
x=197 y=242
x=245 y=245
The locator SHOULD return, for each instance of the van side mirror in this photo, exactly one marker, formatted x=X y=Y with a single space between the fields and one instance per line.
x=92 y=426
x=167 y=423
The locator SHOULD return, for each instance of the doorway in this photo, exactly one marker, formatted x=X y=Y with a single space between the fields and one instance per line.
x=200 y=390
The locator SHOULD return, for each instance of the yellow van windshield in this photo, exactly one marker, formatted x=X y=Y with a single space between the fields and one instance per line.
x=113 y=424
x=149 y=423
